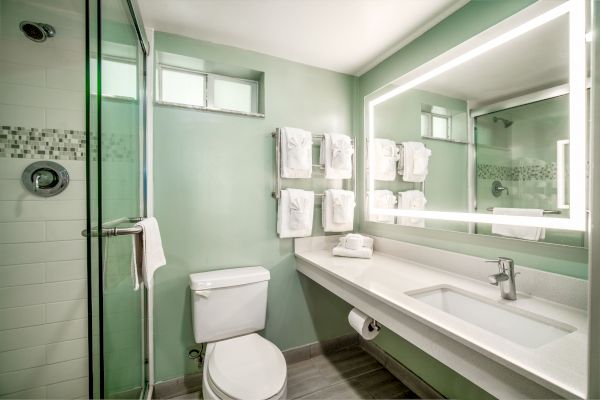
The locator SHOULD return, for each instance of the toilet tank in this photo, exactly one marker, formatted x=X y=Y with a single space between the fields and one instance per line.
x=229 y=302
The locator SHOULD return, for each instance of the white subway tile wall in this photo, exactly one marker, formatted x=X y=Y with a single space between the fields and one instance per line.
x=43 y=305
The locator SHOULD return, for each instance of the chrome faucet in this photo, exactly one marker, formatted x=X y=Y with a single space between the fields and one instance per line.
x=505 y=278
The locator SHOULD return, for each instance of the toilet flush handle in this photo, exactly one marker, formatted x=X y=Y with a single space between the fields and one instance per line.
x=202 y=293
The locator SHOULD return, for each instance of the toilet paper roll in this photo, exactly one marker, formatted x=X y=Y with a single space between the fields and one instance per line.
x=363 y=324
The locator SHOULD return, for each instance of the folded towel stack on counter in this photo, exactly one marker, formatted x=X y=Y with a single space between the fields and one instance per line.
x=296 y=153
x=295 y=213
x=354 y=245
x=336 y=155
x=338 y=210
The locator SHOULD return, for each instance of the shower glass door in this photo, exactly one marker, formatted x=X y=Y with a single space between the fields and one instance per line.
x=116 y=118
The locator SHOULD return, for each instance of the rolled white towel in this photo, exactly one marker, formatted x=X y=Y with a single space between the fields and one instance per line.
x=354 y=241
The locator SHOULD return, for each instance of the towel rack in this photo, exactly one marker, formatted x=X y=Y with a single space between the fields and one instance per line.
x=110 y=228
x=545 y=211
x=279 y=185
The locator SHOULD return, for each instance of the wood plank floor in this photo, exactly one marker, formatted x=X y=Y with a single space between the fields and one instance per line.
x=346 y=374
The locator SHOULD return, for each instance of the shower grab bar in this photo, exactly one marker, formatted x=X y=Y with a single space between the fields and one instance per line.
x=110 y=228
x=545 y=211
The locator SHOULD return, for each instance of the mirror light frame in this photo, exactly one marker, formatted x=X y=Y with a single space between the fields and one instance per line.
x=512 y=28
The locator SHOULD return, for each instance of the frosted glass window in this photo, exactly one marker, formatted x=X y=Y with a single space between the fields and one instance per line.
x=233 y=95
x=119 y=79
x=182 y=87
x=439 y=127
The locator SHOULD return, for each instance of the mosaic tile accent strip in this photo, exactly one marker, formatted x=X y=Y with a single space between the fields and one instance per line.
x=518 y=173
x=50 y=144
x=63 y=144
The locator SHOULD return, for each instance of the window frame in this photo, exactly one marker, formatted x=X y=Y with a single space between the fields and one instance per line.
x=121 y=60
x=209 y=79
x=429 y=134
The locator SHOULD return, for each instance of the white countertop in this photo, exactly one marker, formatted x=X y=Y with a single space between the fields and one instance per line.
x=560 y=364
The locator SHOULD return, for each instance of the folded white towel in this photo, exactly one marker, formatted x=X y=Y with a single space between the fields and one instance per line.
x=354 y=241
x=411 y=200
x=148 y=254
x=515 y=231
x=386 y=156
x=338 y=210
x=295 y=213
x=383 y=199
x=296 y=153
x=363 y=252
x=336 y=155
x=416 y=161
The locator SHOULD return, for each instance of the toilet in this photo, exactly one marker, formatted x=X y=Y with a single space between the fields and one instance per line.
x=228 y=307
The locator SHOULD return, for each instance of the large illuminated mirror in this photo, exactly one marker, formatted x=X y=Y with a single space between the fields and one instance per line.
x=490 y=137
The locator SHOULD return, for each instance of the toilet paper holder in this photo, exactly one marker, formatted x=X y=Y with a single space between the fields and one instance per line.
x=374 y=326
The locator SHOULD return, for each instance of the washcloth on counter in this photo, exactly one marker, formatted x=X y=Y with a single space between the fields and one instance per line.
x=296 y=153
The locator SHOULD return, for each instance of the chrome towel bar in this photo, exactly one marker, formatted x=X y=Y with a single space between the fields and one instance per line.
x=545 y=211
x=319 y=137
x=110 y=228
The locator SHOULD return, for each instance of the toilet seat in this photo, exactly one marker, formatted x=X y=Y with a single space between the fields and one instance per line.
x=247 y=367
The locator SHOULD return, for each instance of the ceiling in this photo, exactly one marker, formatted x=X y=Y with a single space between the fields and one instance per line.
x=340 y=35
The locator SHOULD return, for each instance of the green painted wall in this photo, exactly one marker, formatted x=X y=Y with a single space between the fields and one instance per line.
x=471 y=19
x=213 y=177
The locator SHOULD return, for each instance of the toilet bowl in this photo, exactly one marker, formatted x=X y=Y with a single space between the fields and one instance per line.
x=228 y=307
x=245 y=367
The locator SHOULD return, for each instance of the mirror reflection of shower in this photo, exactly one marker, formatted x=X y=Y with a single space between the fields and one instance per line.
x=37 y=31
x=506 y=122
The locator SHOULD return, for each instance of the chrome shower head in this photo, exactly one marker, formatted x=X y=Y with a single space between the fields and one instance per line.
x=37 y=31
x=506 y=122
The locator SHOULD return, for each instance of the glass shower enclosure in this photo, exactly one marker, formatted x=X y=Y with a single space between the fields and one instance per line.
x=72 y=324
x=116 y=120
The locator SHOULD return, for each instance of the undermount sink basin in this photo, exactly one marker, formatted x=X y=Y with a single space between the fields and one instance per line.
x=521 y=327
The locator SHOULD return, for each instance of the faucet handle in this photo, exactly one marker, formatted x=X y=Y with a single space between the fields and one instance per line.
x=495 y=279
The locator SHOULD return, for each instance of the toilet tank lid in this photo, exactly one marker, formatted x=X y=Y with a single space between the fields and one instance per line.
x=228 y=277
